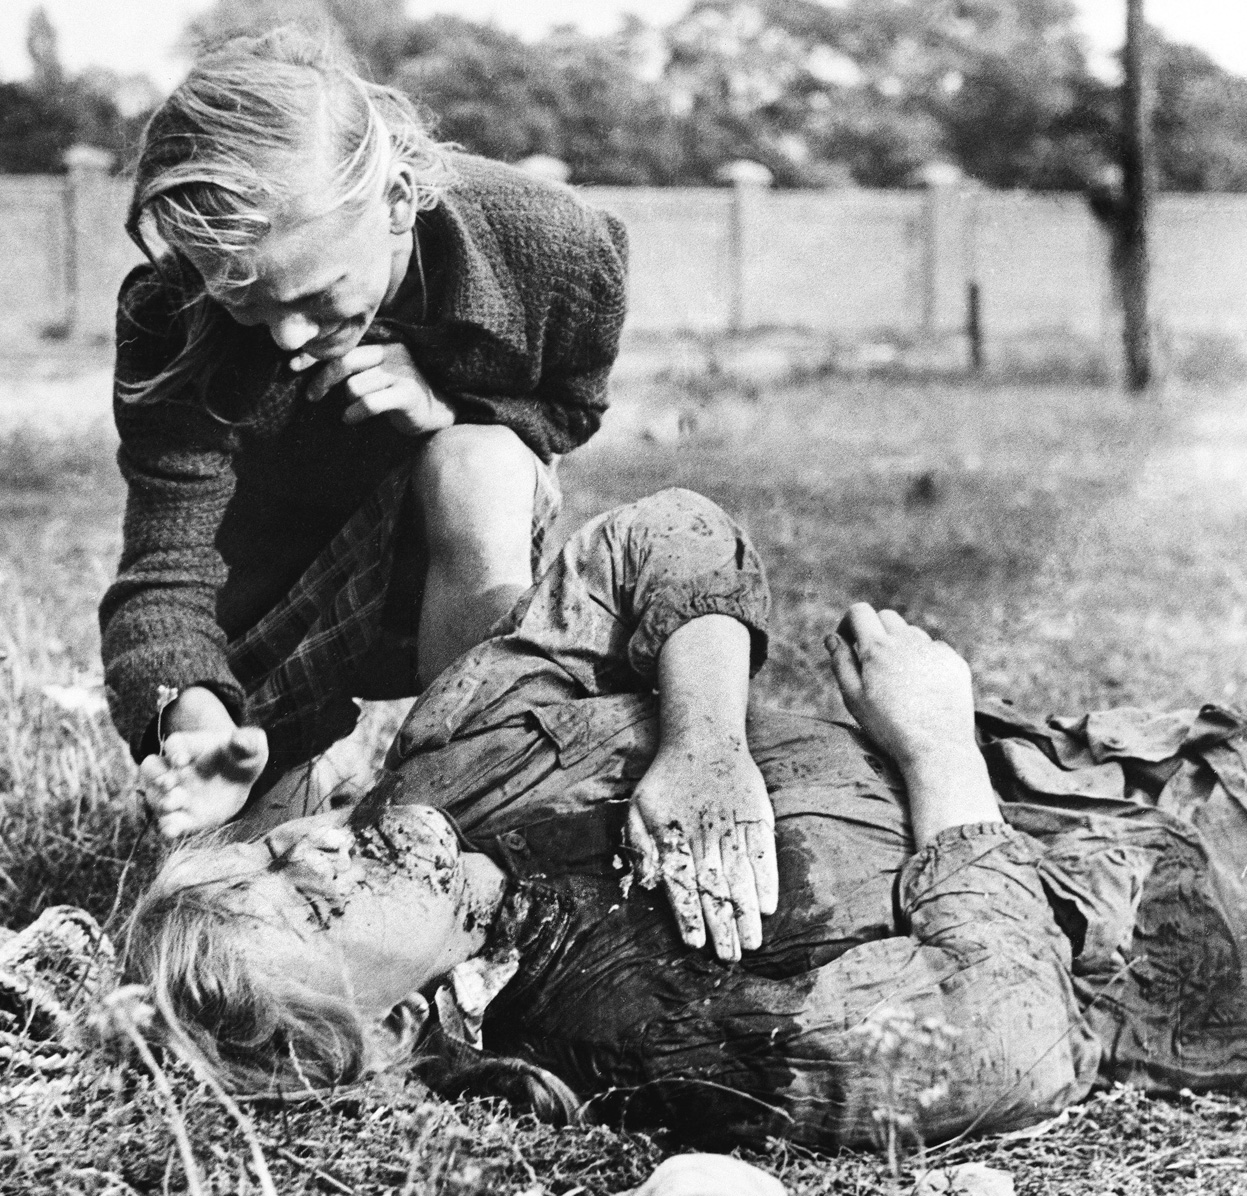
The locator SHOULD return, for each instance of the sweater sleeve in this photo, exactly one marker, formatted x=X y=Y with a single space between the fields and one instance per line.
x=158 y=619
x=580 y=341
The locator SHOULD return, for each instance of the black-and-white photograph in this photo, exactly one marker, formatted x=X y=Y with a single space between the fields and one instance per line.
x=635 y=598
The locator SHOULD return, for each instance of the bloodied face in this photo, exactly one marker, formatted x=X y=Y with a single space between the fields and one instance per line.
x=369 y=915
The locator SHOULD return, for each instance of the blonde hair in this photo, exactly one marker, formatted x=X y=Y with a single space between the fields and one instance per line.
x=228 y=151
x=194 y=946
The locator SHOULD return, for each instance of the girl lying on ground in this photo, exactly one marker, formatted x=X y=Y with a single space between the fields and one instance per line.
x=317 y=261
x=969 y=935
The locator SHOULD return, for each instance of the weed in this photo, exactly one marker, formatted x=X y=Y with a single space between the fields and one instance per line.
x=70 y=830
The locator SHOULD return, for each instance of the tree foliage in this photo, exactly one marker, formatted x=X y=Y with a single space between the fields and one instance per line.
x=871 y=92
x=1201 y=123
x=41 y=119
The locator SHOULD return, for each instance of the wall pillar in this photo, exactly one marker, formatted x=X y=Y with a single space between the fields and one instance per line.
x=88 y=261
x=747 y=215
x=948 y=257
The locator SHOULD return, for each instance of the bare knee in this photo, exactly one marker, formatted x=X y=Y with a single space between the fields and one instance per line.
x=476 y=485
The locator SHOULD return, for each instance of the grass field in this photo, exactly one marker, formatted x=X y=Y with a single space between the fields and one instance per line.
x=1080 y=548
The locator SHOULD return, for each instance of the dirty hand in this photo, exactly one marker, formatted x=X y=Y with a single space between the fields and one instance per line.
x=708 y=1175
x=202 y=778
x=910 y=693
x=383 y=380
x=701 y=822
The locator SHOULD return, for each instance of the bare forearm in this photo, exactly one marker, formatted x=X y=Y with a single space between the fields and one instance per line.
x=948 y=787
x=703 y=681
x=701 y=818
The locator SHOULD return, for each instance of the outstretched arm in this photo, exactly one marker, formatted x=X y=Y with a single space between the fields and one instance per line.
x=701 y=820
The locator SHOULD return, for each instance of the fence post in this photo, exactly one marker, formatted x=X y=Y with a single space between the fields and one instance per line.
x=749 y=183
x=946 y=268
x=89 y=169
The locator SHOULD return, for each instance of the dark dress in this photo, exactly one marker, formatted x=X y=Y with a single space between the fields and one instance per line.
x=1095 y=937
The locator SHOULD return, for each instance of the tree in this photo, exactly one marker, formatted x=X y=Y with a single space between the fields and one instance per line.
x=490 y=93
x=869 y=90
x=35 y=131
x=42 y=44
x=374 y=30
x=614 y=127
x=1019 y=70
x=1200 y=122
x=41 y=119
x=883 y=87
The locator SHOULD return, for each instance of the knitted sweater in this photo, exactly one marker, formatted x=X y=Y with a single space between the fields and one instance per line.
x=518 y=324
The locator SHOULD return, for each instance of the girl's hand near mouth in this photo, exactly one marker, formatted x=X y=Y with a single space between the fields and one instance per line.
x=383 y=380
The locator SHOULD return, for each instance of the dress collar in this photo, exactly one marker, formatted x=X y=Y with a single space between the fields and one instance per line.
x=530 y=929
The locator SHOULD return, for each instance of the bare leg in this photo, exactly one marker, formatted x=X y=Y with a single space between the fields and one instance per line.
x=476 y=487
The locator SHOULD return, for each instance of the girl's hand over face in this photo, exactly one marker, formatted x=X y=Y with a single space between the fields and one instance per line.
x=383 y=380
x=911 y=694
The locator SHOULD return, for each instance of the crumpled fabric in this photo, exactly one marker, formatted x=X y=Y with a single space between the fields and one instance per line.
x=1143 y=817
x=609 y=999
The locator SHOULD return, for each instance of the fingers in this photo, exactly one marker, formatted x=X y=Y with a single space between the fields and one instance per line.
x=718 y=910
x=845 y=667
x=160 y=779
x=678 y=872
x=860 y=624
x=315 y=835
x=246 y=745
x=760 y=847
x=387 y=398
x=644 y=849
x=893 y=623
x=179 y=749
x=202 y=779
x=364 y=357
x=166 y=799
x=742 y=890
x=863 y=625
x=369 y=381
x=714 y=890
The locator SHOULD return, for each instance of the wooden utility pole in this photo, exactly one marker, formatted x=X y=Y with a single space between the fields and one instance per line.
x=1136 y=196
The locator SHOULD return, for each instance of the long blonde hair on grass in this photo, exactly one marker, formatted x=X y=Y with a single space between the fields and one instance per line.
x=228 y=151
x=189 y=944
x=199 y=952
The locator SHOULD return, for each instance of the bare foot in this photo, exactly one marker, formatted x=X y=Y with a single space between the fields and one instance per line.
x=203 y=778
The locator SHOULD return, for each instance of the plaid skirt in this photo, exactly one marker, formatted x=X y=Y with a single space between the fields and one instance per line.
x=347 y=629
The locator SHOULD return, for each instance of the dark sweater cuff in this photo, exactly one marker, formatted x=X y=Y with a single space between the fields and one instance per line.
x=134 y=682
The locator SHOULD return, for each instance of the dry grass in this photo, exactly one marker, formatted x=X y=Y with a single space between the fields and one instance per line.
x=1081 y=549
